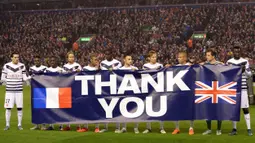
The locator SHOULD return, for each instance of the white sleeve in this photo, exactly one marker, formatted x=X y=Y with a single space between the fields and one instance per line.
x=119 y=66
x=227 y=63
x=4 y=73
x=63 y=70
x=145 y=67
x=79 y=68
x=248 y=70
x=84 y=69
x=102 y=67
x=30 y=70
x=44 y=69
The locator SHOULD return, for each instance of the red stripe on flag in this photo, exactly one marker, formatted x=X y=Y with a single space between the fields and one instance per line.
x=231 y=100
x=201 y=85
x=226 y=85
x=215 y=89
x=65 y=98
x=203 y=99
x=202 y=92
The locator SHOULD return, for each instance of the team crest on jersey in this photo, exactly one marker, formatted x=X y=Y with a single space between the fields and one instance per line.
x=14 y=69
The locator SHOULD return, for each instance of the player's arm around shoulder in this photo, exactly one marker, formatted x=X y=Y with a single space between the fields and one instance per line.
x=79 y=69
x=168 y=65
x=222 y=63
x=160 y=66
x=102 y=66
x=201 y=64
x=24 y=73
x=26 y=78
x=61 y=70
x=135 y=69
x=190 y=64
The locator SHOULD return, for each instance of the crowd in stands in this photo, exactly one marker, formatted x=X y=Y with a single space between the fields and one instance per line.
x=136 y=31
x=67 y=4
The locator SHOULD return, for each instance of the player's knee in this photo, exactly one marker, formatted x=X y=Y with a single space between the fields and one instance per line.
x=245 y=110
x=8 y=108
x=19 y=109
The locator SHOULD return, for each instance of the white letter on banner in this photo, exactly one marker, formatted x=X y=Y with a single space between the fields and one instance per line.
x=99 y=84
x=139 y=110
x=108 y=108
x=84 y=82
x=171 y=80
x=163 y=106
x=147 y=78
x=124 y=86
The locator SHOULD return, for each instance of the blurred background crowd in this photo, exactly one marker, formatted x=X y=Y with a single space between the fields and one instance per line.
x=68 y=4
x=166 y=28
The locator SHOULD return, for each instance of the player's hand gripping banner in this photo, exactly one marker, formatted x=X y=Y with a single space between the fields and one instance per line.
x=175 y=93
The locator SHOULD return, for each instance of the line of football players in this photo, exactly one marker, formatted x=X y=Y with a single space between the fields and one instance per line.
x=112 y=64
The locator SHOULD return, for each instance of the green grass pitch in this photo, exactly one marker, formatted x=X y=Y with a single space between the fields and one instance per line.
x=27 y=136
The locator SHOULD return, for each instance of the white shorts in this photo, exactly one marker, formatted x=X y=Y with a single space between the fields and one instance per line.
x=12 y=98
x=244 y=99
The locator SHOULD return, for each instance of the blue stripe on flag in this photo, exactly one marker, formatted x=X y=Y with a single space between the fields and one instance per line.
x=39 y=97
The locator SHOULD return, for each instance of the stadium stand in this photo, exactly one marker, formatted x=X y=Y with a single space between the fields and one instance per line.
x=64 y=4
x=165 y=29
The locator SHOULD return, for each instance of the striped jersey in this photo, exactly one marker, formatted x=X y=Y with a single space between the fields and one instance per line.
x=72 y=67
x=106 y=65
x=89 y=68
x=34 y=69
x=149 y=66
x=54 y=70
x=246 y=74
x=14 y=75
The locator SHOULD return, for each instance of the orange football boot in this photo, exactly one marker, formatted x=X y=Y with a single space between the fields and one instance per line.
x=191 y=131
x=97 y=130
x=176 y=131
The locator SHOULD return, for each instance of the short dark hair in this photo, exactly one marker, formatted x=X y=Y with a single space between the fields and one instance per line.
x=212 y=51
x=127 y=54
x=14 y=53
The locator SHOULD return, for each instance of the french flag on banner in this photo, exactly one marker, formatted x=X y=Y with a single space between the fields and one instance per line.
x=52 y=97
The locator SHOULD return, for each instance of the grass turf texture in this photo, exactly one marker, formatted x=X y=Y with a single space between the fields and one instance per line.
x=27 y=136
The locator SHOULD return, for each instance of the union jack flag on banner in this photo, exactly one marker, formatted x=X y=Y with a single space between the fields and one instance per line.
x=215 y=93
